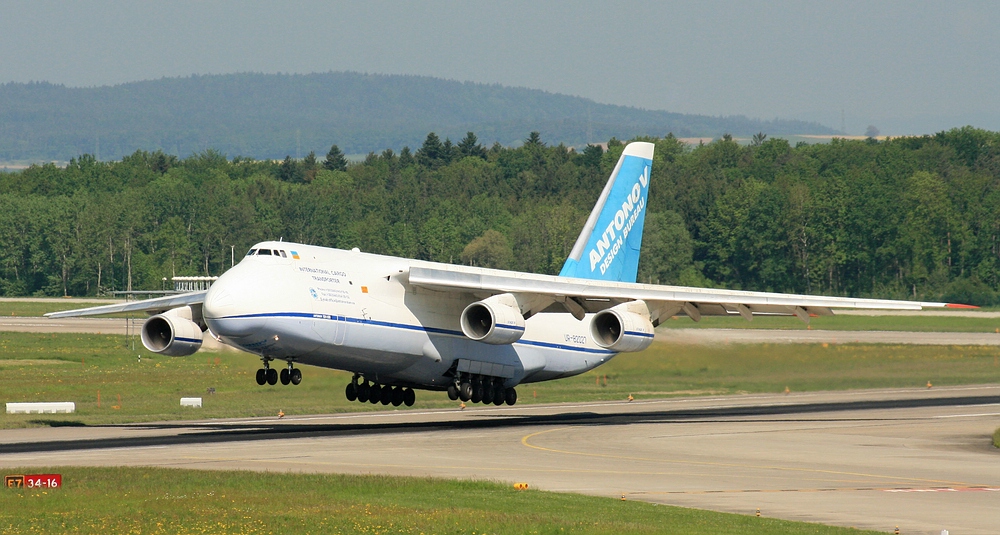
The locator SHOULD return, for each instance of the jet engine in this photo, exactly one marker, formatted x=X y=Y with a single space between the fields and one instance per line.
x=172 y=333
x=496 y=320
x=622 y=328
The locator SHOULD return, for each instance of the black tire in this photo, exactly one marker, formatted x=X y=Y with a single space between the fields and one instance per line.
x=409 y=397
x=397 y=396
x=272 y=376
x=452 y=392
x=477 y=392
x=374 y=393
x=296 y=376
x=465 y=391
x=363 y=391
x=285 y=377
x=498 y=395
x=510 y=396
x=351 y=392
x=487 y=394
x=261 y=376
x=386 y=395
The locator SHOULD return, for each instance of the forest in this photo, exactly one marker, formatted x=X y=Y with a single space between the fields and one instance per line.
x=912 y=218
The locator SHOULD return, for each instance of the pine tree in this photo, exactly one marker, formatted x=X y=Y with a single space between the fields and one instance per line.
x=335 y=160
x=470 y=146
x=431 y=154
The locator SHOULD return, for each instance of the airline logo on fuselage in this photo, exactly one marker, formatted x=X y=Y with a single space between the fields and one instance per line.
x=613 y=237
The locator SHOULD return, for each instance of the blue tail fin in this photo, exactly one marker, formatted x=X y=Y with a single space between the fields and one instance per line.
x=608 y=247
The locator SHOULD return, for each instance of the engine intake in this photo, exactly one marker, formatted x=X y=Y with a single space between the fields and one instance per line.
x=172 y=334
x=496 y=320
x=623 y=328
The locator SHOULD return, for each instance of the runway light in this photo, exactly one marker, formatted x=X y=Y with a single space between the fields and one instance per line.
x=897 y=530
x=929 y=384
x=787 y=391
x=630 y=398
x=758 y=511
x=623 y=497
x=521 y=486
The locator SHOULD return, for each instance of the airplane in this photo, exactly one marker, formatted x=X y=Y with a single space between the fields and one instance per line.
x=401 y=325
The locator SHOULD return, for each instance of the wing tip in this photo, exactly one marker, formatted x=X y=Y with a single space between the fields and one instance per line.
x=959 y=305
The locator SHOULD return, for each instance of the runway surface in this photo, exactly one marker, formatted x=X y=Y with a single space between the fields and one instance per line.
x=69 y=325
x=917 y=458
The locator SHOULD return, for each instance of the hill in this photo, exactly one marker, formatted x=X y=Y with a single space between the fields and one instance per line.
x=274 y=115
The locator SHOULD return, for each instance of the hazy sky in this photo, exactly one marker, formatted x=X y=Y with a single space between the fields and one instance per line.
x=906 y=67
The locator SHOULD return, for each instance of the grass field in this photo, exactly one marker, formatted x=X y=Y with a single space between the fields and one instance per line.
x=76 y=367
x=844 y=323
x=155 y=501
x=996 y=438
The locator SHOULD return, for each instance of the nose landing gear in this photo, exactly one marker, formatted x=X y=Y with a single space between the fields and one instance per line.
x=269 y=375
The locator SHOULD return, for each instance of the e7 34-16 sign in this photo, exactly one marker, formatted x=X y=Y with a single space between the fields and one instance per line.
x=35 y=481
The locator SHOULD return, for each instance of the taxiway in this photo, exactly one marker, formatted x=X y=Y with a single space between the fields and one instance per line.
x=917 y=458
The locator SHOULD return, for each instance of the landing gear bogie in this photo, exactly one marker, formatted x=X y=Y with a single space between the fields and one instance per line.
x=374 y=393
x=482 y=389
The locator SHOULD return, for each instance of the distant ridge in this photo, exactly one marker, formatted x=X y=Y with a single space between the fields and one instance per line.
x=274 y=115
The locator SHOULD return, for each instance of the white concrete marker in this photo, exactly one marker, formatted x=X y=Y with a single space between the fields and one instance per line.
x=191 y=402
x=51 y=407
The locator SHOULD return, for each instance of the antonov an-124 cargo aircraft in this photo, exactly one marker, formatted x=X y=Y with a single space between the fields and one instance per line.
x=400 y=324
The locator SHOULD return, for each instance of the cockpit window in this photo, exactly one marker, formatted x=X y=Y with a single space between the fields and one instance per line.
x=251 y=252
x=282 y=254
x=264 y=252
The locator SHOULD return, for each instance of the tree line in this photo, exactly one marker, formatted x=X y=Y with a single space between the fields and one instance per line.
x=915 y=217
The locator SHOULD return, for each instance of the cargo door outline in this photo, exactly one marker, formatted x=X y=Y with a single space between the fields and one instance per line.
x=331 y=328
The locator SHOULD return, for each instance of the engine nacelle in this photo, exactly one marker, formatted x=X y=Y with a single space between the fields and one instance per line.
x=622 y=328
x=496 y=320
x=172 y=333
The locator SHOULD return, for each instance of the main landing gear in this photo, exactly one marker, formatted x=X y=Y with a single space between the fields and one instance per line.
x=269 y=375
x=482 y=389
x=373 y=393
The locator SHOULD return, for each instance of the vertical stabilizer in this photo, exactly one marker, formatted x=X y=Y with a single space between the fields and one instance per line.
x=608 y=247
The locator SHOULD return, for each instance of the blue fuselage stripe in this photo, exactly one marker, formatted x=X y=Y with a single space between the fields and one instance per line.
x=637 y=333
x=433 y=330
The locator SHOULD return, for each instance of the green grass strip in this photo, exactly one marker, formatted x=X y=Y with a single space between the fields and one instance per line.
x=77 y=367
x=160 y=501
x=996 y=438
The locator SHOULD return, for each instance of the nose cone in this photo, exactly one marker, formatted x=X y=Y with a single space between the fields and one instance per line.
x=247 y=296
x=237 y=304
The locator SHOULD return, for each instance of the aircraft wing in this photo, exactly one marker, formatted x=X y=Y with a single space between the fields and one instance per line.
x=153 y=306
x=579 y=296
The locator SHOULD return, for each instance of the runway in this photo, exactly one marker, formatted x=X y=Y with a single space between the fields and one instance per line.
x=917 y=458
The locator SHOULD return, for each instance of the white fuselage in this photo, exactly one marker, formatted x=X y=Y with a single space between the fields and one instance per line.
x=357 y=312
